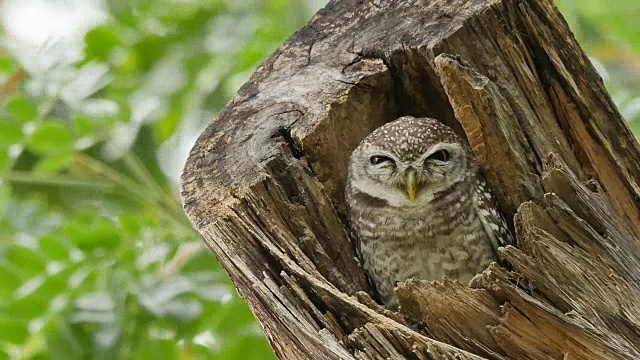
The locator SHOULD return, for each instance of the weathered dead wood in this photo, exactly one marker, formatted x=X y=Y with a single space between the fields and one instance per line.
x=264 y=184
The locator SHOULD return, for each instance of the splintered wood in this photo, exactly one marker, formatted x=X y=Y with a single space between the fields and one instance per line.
x=264 y=185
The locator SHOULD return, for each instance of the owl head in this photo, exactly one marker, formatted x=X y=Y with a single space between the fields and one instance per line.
x=409 y=161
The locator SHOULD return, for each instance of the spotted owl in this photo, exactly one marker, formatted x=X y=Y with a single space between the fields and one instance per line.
x=419 y=207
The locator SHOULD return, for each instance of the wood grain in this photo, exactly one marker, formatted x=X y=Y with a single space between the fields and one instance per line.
x=264 y=184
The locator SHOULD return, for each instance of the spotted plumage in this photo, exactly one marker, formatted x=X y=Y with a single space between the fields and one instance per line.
x=419 y=207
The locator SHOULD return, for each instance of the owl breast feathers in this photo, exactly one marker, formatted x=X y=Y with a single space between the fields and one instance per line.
x=419 y=207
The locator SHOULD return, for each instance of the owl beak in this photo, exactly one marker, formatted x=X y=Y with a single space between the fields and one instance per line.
x=412 y=184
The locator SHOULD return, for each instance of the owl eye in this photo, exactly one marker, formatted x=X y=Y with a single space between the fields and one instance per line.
x=440 y=155
x=377 y=160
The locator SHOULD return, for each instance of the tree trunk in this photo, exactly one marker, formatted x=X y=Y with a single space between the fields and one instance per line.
x=264 y=184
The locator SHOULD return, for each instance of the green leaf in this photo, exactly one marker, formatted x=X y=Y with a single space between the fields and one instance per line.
x=635 y=126
x=10 y=282
x=30 y=262
x=54 y=248
x=89 y=232
x=7 y=64
x=34 y=345
x=13 y=331
x=63 y=341
x=100 y=41
x=4 y=160
x=150 y=347
x=166 y=126
x=40 y=295
x=51 y=138
x=126 y=61
x=27 y=308
x=22 y=108
x=131 y=223
x=84 y=125
x=54 y=163
x=10 y=133
x=247 y=347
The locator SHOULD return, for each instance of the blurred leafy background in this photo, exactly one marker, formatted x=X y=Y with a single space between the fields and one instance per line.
x=101 y=101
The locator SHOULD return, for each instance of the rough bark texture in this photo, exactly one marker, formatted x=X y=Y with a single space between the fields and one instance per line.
x=264 y=184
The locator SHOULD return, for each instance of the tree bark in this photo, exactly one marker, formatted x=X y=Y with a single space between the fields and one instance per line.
x=264 y=184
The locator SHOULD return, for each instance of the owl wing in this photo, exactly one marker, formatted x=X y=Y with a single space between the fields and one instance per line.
x=492 y=221
x=356 y=201
x=353 y=232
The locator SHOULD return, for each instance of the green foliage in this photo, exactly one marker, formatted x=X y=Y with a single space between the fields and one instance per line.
x=115 y=287
x=97 y=259
x=607 y=30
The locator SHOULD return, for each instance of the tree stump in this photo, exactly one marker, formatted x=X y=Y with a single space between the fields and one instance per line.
x=264 y=184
